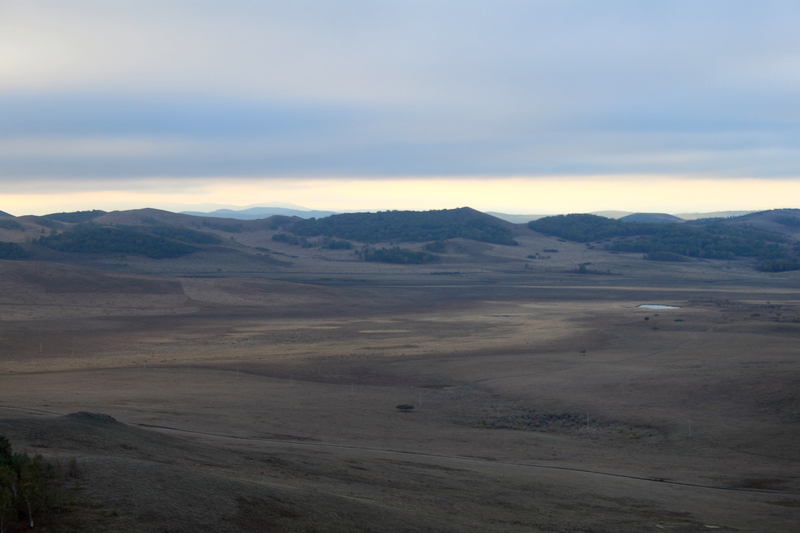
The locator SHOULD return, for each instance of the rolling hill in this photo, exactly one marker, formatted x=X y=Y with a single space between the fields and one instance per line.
x=711 y=239
x=768 y=238
x=785 y=221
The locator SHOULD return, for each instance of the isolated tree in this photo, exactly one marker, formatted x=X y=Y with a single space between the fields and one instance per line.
x=7 y=510
x=32 y=488
x=28 y=486
x=5 y=451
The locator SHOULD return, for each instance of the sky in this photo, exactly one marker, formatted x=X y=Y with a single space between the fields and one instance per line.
x=513 y=106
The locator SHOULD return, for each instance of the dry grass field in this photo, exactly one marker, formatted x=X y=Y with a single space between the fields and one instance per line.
x=260 y=394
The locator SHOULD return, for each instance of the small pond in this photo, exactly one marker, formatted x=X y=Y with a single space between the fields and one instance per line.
x=658 y=306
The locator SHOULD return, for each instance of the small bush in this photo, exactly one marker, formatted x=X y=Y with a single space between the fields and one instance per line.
x=779 y=265
x=285 y=237
x=398 y=255
x=438 y=247
x=227 y=227
x=13 y=251
x=666 y=256
x=9 y=223
x=334 y=244
x=184 y=234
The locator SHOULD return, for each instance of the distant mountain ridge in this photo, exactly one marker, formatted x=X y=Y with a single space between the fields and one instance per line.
x=4 y=214
x=618 y=215
x=255 y=213
x=714 y=214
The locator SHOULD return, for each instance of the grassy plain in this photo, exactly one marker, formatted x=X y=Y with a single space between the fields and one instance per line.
x=258 y=393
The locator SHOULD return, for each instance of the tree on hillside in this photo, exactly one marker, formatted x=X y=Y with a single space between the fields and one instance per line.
x=29 y=486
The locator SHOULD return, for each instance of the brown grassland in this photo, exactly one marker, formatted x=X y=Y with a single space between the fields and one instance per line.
x=256 y=391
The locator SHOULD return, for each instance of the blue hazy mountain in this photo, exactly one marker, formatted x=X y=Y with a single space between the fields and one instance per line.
x=254 y=213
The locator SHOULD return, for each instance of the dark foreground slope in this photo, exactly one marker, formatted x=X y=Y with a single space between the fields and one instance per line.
x=136 y=480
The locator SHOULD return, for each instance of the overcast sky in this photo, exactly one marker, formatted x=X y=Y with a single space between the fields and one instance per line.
x=522 y=106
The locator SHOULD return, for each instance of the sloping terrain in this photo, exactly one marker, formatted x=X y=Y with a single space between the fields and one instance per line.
x=710 y=239
x=786 y=221
x=76 y=217
x=140 y=481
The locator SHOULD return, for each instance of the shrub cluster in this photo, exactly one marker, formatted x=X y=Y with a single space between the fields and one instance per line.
x=10 y=223
x=327 y=242
x=397 y=255
x=227 y=227
x=779 y=265
x=12 y=250
x=666 y=256
x=334 y=244
x=438 y=247
x=184 y=234
x=292 y=239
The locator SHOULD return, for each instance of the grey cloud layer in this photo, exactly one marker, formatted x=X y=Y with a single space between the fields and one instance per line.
x=110 y=90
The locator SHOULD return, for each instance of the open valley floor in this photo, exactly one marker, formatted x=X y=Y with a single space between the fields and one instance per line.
x=542 y=401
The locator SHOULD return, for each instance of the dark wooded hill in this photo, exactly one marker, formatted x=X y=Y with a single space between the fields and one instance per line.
x=76 y=217
x=708 y=239
x=157 y=234
x=409 y=226
x=786 y=221
x=771 y=238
